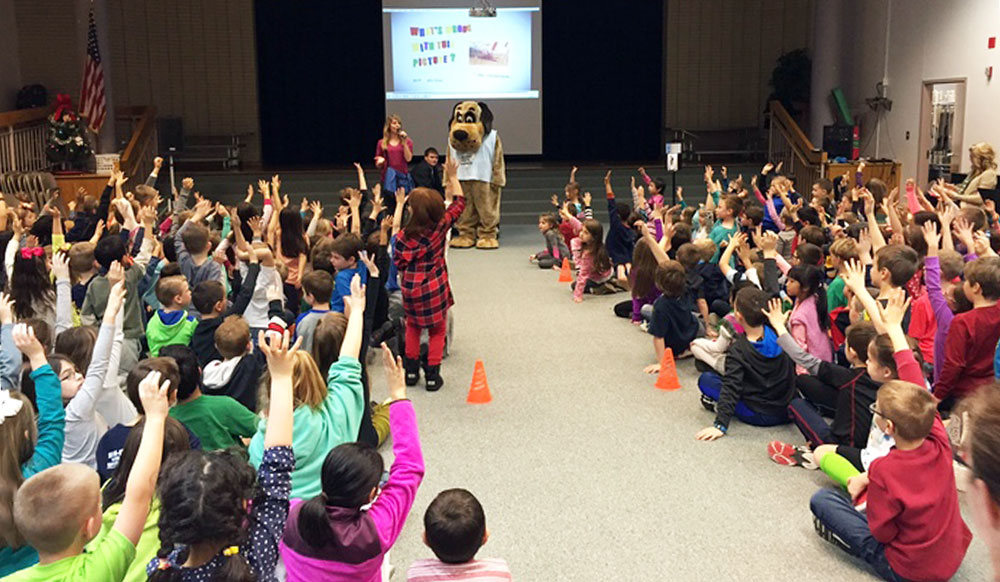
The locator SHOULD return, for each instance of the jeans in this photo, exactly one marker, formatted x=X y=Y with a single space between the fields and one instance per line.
x=836 y=512
x=710 y=385
x=810 y=423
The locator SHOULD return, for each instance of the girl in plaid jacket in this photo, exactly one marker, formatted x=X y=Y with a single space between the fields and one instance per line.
x=423 y=274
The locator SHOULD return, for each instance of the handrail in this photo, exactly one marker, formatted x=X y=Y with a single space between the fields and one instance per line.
x=137 y=150
x=801 y=145
x=23 y=116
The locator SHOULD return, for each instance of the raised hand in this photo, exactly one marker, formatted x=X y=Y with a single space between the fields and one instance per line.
x=854 y=275
x=187 y=184
x=356 y=299
x=116 y=298
x=587 y=198
x=394 y=374
x=964 y=231
x=607 y=178
x=116 y=273
x=776 y=316
x=60 y=266
x=894 y=310
x=27 y=343
x=932 y=237
x=280 y=357
x=153 y=395
x=369 y=262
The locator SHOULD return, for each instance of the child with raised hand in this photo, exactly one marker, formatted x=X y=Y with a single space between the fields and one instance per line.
x=58 y=511
x=809 y=323
x=941 y=269
x=621 y=238
x=970 y=346
x=912 y=528
x=207 y=499
x=327 y=411
x=23 y=436
x=330 y=537
x=82 y=394
x=889 y=358
x=826 y=389
x=758 y=382
x=419 y=256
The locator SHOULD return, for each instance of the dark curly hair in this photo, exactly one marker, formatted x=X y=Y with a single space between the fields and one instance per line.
x=202 y=499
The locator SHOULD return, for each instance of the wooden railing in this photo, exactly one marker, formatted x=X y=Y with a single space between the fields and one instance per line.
x=140 y=121
x=790 y=145
x=22 y=140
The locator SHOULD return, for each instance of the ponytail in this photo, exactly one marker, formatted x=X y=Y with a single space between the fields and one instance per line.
x=313 y=524
x=235 y=567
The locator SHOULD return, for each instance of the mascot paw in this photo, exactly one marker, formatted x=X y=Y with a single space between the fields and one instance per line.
x=462 y=242
x=487 y=243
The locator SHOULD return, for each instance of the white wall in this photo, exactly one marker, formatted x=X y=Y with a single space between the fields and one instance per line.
x=928 y=40
x=10 y=66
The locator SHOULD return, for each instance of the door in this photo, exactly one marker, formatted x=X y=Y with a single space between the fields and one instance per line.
x=942 y=113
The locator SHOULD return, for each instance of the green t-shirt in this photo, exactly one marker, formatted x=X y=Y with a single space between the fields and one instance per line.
x=105 y=561
x=835 y=294
x=219 y=421
x=149 y=542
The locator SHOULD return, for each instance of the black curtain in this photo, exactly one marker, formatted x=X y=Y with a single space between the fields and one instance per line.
x=602 y=69
x=319 y=80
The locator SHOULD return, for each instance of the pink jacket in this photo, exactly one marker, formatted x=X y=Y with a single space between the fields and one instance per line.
x=804 y=327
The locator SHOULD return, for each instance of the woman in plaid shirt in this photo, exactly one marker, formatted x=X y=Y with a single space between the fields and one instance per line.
x=419 y=256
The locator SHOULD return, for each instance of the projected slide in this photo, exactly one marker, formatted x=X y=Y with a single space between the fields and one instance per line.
x=445 y=54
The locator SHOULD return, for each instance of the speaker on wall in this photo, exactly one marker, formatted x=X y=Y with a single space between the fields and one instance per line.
x=170 y=131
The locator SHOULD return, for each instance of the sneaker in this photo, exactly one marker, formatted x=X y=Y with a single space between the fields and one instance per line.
x=782 y=453
x=644 y=326
x=791 y=456
x=828 y=535
x=708 y=403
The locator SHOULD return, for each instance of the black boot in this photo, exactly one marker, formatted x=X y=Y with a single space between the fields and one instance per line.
x=412 y=368
x=433 y=379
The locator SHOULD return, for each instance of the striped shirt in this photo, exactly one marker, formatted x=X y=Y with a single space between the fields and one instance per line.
x=487 y=570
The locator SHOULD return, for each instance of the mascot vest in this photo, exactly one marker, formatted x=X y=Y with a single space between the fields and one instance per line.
x=477 y=165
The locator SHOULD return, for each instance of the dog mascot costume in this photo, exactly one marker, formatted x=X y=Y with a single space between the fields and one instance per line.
x=476 y=145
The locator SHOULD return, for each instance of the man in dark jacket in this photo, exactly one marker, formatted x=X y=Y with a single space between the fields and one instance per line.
x=427 y=172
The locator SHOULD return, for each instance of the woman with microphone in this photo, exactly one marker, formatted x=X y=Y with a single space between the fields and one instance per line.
x=392 y=154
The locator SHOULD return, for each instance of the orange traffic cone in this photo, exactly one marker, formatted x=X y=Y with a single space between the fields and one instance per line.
x=479 y=391
x=668 y=380
x=564 y=274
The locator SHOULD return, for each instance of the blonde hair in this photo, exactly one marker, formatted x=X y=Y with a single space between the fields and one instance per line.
x=983 y=157
x=385 y=128
x=52 y=506
x=309 y=388
x=16 y=450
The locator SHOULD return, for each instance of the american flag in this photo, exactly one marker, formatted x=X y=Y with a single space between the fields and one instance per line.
x=93 y=106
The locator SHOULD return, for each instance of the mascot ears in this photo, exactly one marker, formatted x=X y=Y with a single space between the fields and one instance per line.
x=485 y=116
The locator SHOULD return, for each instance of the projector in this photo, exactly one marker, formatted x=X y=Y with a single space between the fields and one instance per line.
x=483 y=12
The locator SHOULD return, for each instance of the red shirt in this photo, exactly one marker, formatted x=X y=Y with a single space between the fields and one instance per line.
x=913 y=509
x=923 y=326
x=394 y=155
x=968 y=352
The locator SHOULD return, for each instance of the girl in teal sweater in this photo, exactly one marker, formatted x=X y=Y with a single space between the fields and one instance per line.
x=26 y=448
x=326 y=415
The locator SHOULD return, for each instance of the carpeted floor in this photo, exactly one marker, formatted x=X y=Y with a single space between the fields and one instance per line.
x=585 y=470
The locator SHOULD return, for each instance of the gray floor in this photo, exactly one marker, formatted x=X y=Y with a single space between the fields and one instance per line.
x=585 y=470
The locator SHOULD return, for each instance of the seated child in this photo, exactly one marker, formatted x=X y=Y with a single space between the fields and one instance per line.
x=972 y=338
x=83 y=267
x=330 y=536
x=344 y=257
x=218 y=421
x=455 y=529
x=239 y=372
x=620 y=241
x=591 y=258
x=555 y=247
x=209 y=298
x=193 y=245
x=171 y=324
x=58 y=511
x=912 y=528
x=673 y=324
x=317 y=290
x=760 y=377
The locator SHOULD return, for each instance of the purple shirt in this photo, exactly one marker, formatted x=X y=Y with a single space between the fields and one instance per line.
x=366 y=535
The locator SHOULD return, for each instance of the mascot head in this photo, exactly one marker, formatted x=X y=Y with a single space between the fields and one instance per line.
x=470 y=122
